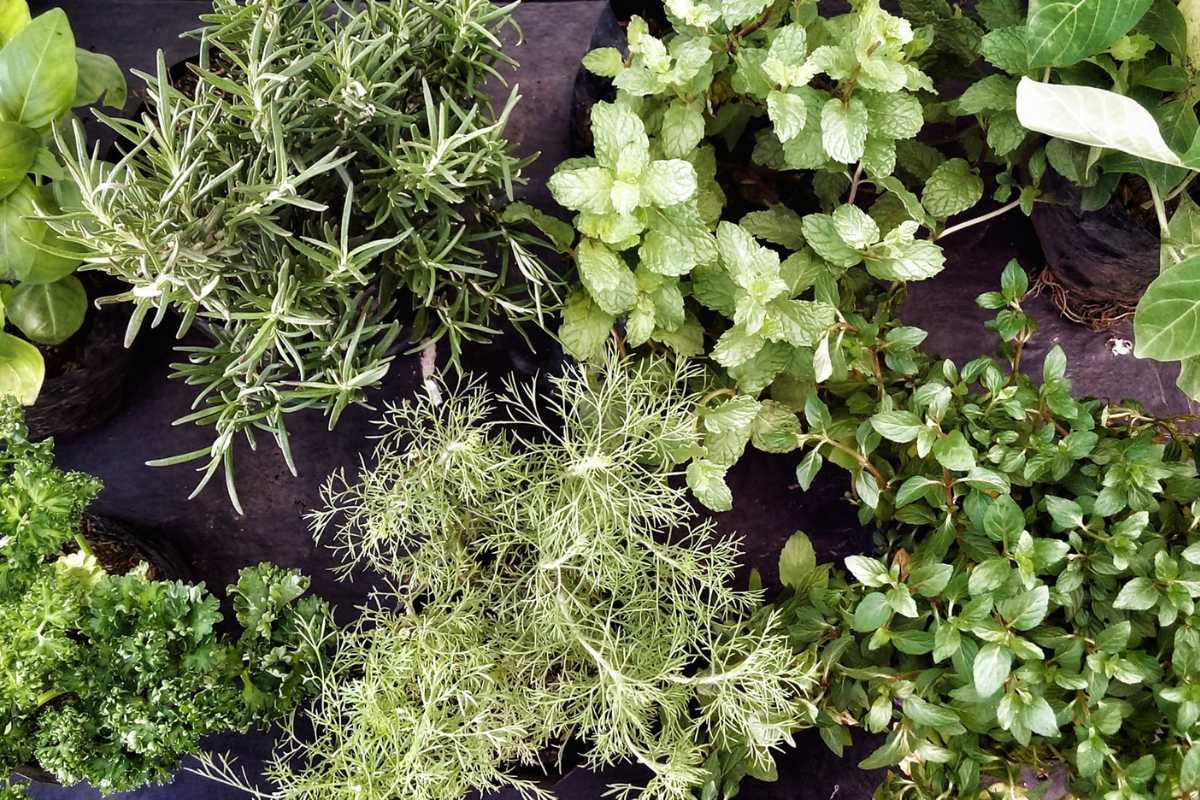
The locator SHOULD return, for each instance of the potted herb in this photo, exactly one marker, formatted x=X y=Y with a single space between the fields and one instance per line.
x=755 y=193
x=112 y=668
x=545 y=586
x=1032 y=611
x=57 y=354
x=327 y=174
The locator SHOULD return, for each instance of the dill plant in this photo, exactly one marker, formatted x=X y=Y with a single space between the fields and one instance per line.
x=333 y=171
x=547 y=583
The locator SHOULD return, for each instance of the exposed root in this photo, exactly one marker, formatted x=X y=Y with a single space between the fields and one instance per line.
x=1098 y=316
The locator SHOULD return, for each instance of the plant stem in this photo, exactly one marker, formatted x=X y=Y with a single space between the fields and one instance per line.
x=1004 y=209
x=854 y=181
x=714 y=394
x=84 y=547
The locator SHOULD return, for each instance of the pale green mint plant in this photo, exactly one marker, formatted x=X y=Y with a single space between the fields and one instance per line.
x=845 y=202
x=547 y=585
x=328 y=179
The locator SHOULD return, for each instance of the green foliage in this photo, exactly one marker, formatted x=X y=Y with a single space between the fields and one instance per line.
x=832 y=106
x=42 y=77
x=1034 y=603
x=113 y=679
x=333 y=173
x=547 y=582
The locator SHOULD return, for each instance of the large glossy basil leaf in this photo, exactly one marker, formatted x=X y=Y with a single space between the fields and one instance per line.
x=18 y=149
x=100 y=80
x=1064 y=32
x=1166 y=325
x=20 y=232
x=48 y=313
x=53 y=257
x=38 y=71
x=22 y=369
x=14 y=16
x=1094 y=117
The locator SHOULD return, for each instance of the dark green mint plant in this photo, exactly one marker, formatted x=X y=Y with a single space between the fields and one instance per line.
x=767 y=282
x=114 y=678
x=327 y=179
x=547 y=585
x=1033 y=605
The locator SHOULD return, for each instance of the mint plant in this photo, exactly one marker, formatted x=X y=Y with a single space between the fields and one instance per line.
x=113 y=679
x=829 y=108
x=1033 y=605
x=546 y=584
x=335 y=179
x=43 y=75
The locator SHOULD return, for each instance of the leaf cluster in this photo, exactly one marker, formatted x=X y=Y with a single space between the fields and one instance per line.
x=323 y=175
x=112 y=679
x=43 y=75
x=827 y=109
x=546 y=586
x=1033 y=606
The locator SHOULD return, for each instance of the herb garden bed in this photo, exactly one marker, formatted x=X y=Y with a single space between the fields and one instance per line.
x=768 y=506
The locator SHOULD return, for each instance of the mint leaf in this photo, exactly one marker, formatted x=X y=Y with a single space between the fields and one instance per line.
x=822 y=236
x=993 y=664
x=778 y=224
x=707 y=482
x=855 y=227
x=895 y=116
x=585 y=327
x=586 y=189
x=682 y=128
x=993 y=93
x=797 y=562
x=800 y=323
x=952 y=188
x=606 y=62
x=677 y=241
x=844 y=129
x=608 y=280
x=667 y=183
x=788 y=113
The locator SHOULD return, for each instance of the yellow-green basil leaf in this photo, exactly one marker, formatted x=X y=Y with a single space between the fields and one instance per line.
x=38 y=71
x=22 y=369
x=18 y=148
x=14 y=15
x=100 y=80
x=20 y=232
x=48 y=313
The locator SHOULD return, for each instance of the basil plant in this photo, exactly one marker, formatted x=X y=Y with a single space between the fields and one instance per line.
x=42 y=77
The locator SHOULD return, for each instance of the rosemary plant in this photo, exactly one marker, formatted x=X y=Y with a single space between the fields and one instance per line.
x=548 y=582
x=326 y=172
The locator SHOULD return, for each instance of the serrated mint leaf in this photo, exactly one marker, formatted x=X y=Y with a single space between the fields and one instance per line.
x=735 y=12
x=902 y=258
x=707 y=482
x=844 y=129
x=800 y=323
x=1005 y=132
x=735 y=413
x=640 y=323
x=585 y=327
x=588 y=189
x=736 y=346
x=668 y=183
x=895 y=116
x=686 y=340
x=607 y=278
x=788 y=51
x=713 y=288
x=618 y=134
x=776 y=428
x=822 y=236
x=625 y=196
x=606 y=62
x=778 y=225
x=1007 y=49
x=676 y=241
x=879 y=156
x=788 y=113
x=1138 y=594
x=992 y=93
x=855 y=227
x=952 y=188
x=682 y=128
